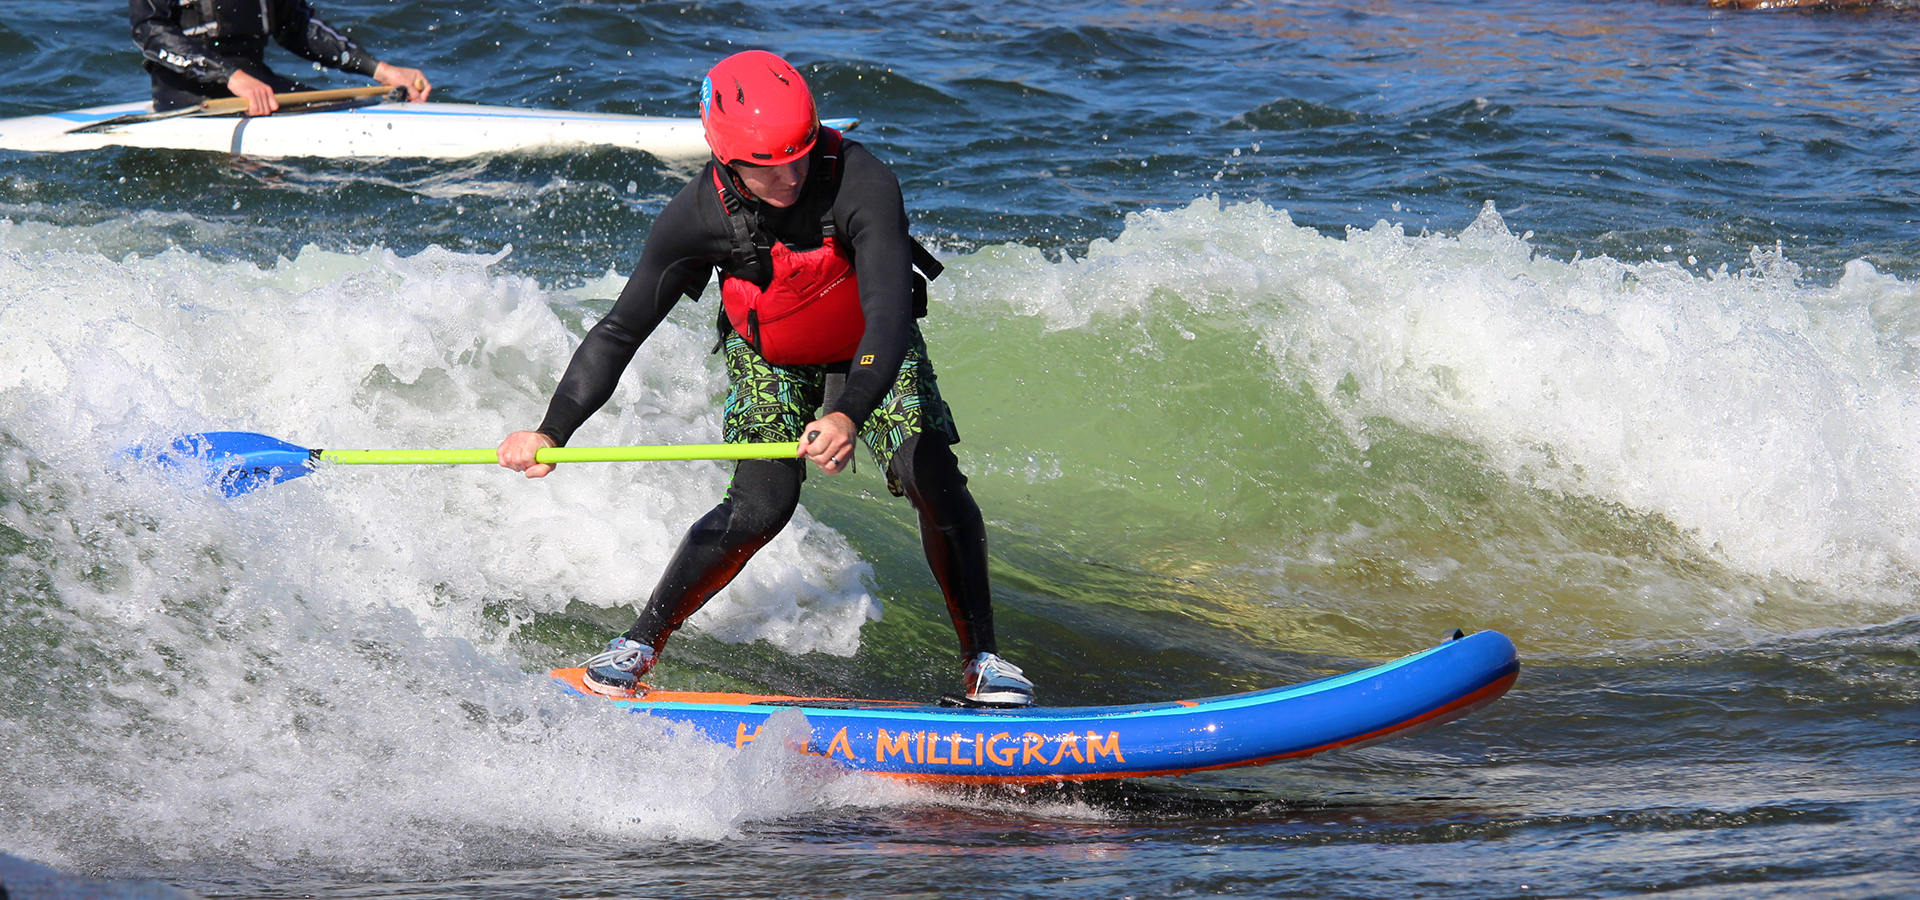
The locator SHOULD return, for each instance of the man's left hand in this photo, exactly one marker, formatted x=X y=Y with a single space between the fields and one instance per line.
x=400 y=76
x=828 y=441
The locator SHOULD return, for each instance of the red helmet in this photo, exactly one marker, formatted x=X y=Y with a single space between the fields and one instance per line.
x=756 y=109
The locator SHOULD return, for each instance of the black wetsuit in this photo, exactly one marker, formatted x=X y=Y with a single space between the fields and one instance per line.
x=193 y=46
x=687 y=241
x=690 y=237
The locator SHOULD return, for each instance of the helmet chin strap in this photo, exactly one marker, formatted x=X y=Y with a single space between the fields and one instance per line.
x=739 y=184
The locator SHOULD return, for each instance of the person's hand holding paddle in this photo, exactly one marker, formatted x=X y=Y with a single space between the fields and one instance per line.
x=517 y=453
x=257 y=93
x=400 y=76
x=829 y=442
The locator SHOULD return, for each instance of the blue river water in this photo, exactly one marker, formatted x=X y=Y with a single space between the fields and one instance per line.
x=1283 y=337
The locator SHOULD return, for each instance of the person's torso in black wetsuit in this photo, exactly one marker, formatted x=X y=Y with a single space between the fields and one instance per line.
x=691 y=237
x=193 y=46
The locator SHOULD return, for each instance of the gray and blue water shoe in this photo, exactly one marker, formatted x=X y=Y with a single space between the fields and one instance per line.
x=993 y=681
x=617 y=672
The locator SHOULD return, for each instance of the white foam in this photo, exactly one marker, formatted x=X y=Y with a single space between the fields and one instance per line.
x=374 y=350
x=1772 y=419
x=319 y=670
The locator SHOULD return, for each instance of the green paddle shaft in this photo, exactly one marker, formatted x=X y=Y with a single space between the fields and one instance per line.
x=562 y=454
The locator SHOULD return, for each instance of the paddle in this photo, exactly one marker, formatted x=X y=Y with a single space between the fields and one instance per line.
x=237 y=462
x=226 y=106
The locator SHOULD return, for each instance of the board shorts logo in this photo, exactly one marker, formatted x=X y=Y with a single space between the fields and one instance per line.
x=866 y=360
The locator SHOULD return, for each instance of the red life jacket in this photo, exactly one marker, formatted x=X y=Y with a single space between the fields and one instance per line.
x=801 y=307
x=804 y=308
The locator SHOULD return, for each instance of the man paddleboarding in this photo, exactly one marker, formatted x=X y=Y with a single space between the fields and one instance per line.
x=198 y=50
x=819 y=295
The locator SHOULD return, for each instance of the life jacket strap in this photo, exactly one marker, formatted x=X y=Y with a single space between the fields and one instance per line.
x=210 y=25
x=747 y=259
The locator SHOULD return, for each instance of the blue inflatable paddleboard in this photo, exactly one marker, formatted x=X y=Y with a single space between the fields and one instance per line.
x=977 y=745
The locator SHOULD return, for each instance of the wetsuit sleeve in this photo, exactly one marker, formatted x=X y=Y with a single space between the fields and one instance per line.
x=681 y=249
x=157 y=32
x=870 y=211
x=305 y=34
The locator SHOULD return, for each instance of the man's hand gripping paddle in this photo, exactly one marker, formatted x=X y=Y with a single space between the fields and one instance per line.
x=238 y=462
x=295 y=101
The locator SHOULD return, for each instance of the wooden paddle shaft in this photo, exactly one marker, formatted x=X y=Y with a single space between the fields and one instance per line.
x=226 y=105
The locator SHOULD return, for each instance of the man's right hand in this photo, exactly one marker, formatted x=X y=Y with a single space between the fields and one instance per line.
x=517 y=452
x=258 y=95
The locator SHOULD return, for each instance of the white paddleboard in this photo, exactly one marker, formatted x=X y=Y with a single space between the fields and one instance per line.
x=388 y=129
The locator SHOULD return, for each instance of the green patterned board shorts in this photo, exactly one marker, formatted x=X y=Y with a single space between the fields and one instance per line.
x=770 y=403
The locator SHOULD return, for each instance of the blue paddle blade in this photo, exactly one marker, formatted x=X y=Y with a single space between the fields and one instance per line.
x=235 y=462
